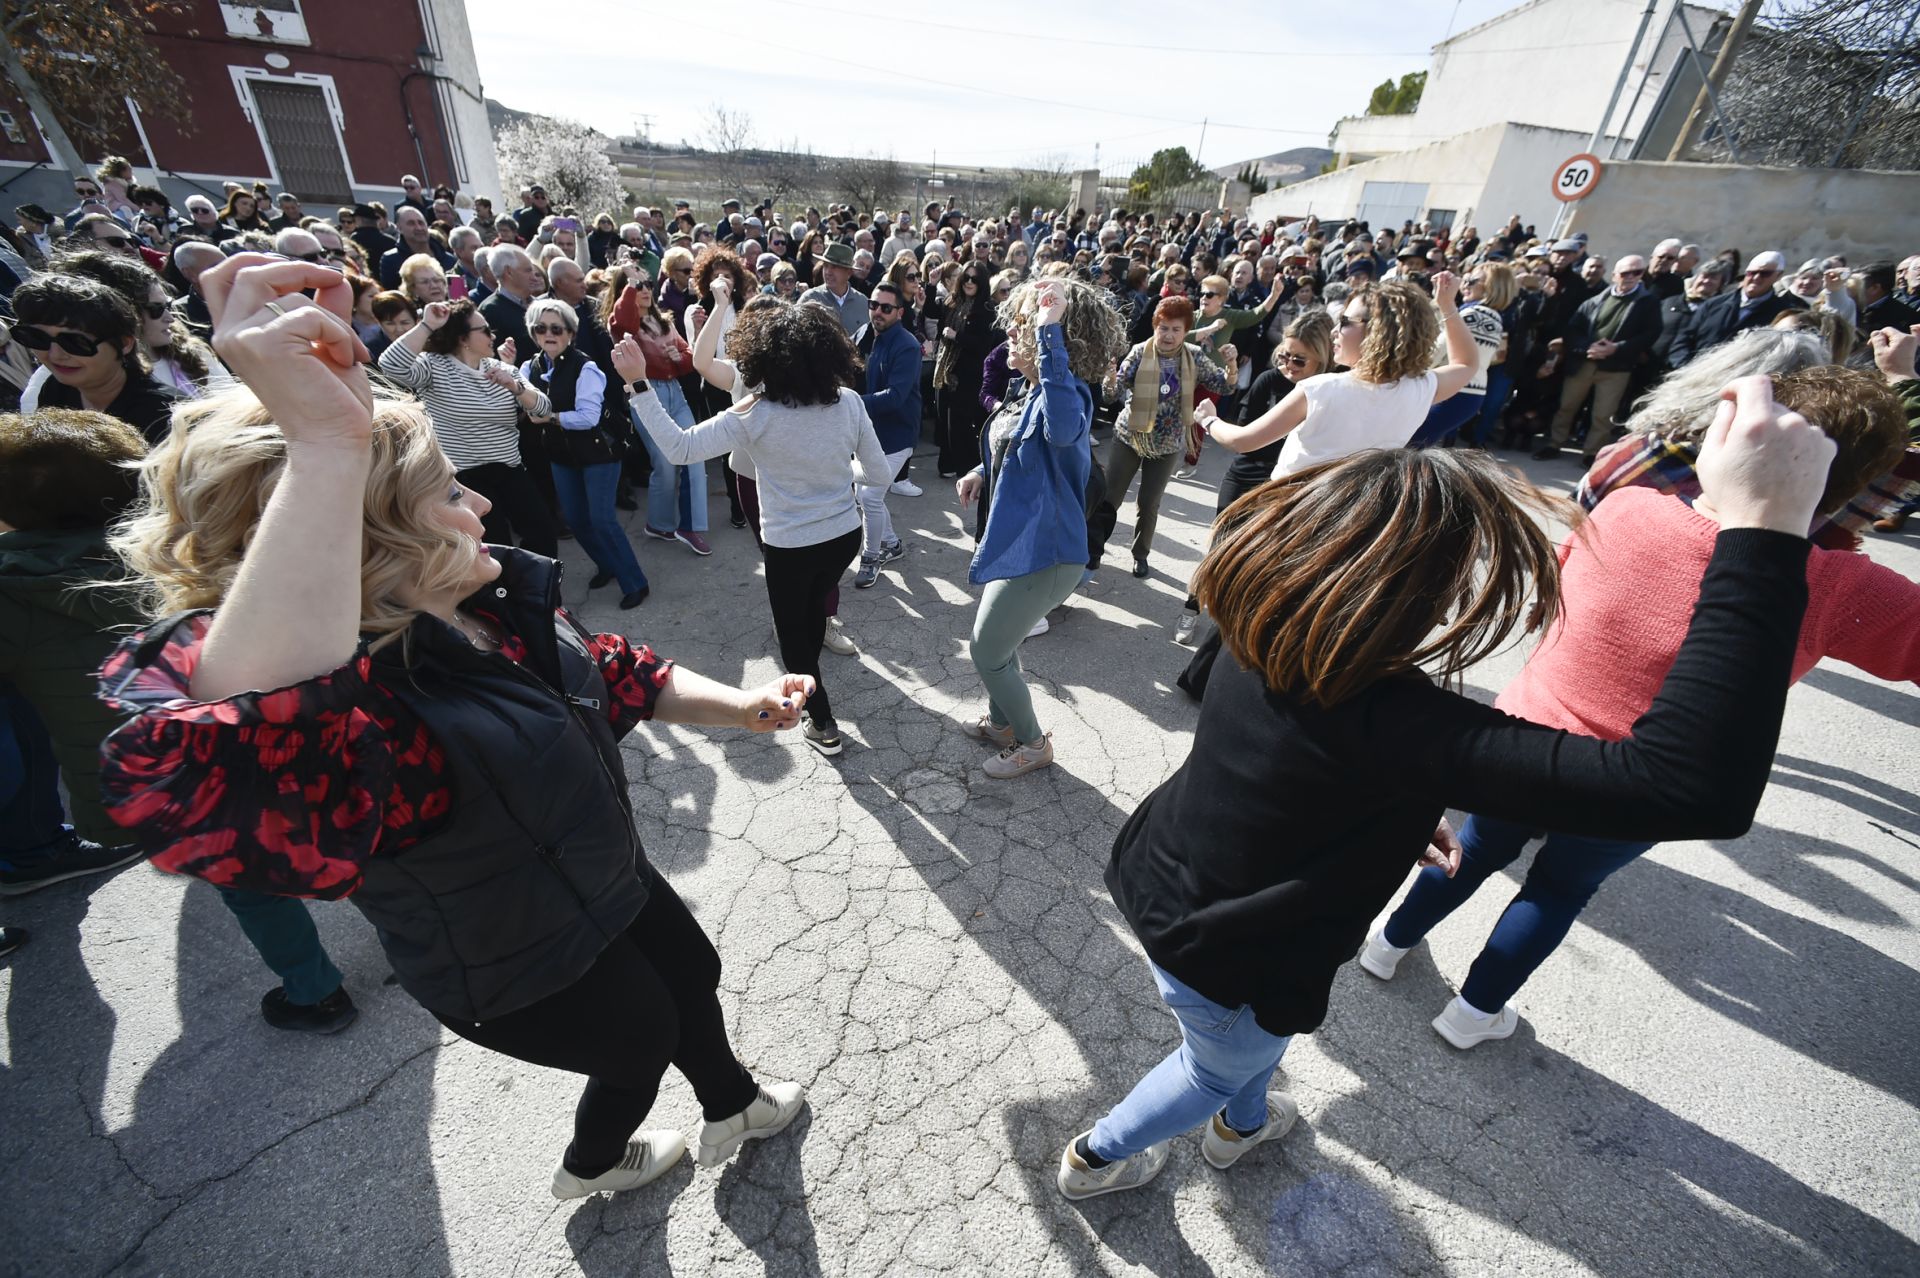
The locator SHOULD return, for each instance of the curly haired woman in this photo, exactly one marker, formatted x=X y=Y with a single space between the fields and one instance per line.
x=442 y=739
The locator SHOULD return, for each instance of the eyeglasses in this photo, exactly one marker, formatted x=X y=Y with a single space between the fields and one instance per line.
x=38 y=339
x=885 y=308
x=679 y=270
x=1630 y=275
x=1348 y=320
x=480 y=328
x=154 y=310
x=308 y=257
x=1209 y=293
x=548 y=330
x=1294 y=361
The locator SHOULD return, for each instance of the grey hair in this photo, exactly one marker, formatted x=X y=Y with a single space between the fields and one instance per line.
x=553 y=305
x=505 y=256
x=282 y=240
x=460 y=235
x=1683 y=405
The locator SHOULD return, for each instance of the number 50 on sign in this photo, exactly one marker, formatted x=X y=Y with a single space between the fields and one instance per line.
x=1576 y=178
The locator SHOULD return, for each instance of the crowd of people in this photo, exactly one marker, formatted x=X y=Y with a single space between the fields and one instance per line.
x=198 y=403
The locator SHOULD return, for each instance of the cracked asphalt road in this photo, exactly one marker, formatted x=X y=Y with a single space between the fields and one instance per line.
x=1713 y=1076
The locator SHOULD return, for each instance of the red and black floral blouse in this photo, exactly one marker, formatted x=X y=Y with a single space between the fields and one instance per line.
x=290 y=792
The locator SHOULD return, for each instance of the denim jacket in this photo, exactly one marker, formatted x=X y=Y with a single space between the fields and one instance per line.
x=1038 y=518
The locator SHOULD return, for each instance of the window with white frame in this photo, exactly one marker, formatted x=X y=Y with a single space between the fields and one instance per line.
x=275 y=21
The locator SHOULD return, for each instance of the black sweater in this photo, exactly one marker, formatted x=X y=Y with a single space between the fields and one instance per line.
x=1253 y=872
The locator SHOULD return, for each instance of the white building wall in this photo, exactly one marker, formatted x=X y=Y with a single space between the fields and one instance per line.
x=1520 y=179
x=461 y=98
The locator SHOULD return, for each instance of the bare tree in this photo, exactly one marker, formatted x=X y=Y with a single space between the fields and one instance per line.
x=729 y=136
x=867 y=182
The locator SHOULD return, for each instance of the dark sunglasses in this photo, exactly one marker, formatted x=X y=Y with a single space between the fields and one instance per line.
x=480 y=328
x=118 y=241
x=318 y=255
x=1627 y=275
x=1207 y=293
x=545 y=330
x=885 y=308
x=154 y=310
x=38 y=339
x=1294 y=361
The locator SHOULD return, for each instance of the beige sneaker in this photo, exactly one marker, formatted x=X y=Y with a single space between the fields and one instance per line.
x=649 y=1156
x=985 y=729
x=1017 y=760
x=1222 y=1146
x=838 y=640
x=770 y=1112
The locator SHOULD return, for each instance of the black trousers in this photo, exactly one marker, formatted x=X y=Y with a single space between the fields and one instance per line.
x=957 y=426
x=647 y=1002
x=518 y=508
x=799 y=580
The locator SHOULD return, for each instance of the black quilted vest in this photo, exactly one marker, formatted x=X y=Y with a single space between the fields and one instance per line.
x=538 y=866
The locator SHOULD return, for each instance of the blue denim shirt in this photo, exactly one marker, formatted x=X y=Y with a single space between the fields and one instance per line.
x=1038 y=518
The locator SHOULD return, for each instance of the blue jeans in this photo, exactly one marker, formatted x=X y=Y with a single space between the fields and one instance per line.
x=1224 y=1061
x=586 y=494
x=282 y=931
x=1562 y=879
x=1494 y=403
x=31 y=816
x=676 y=495
x=1446 y=418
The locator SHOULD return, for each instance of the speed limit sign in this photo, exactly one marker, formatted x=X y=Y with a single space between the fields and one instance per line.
x=1576 y=178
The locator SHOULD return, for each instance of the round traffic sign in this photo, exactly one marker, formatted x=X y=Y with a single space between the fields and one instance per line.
x=1576 y=177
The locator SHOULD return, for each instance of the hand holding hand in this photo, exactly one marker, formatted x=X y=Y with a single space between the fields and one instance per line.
x=969 y=488
x=298 y=354
x=1444 y=850
x=777 y=706
x=435 y=316
x=1893 y=352
x=1762 y=466
x=629 y=360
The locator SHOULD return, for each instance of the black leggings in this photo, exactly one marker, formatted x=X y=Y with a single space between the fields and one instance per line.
x=647 y=1002
x=799 y=581
x=518 y=508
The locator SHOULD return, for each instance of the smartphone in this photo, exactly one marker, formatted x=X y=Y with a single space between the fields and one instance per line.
x=456 y=287
x=567 y=224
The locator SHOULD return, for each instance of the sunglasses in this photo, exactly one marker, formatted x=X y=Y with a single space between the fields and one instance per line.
x=885 y=308
x=1628 y=275
x=154 y=310
x=317 y=256
x=1353 y=321
x=548 y=330
x=480 y=328
x=1208 y=293
x=1294 y=361
x=38 y=339
x=118 y=241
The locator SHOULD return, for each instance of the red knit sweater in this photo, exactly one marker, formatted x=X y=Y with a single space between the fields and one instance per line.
x=1628 y=587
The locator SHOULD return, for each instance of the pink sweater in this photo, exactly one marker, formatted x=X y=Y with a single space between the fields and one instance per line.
x=1628 y=587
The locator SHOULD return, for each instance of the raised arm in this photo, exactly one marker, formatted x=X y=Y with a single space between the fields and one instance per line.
x=294 y=609
x=401 y=360
x=706 y=343
x=1463 y=356
x=1067 y=404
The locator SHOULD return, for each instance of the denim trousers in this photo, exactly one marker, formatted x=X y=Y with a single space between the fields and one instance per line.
x=875 y=520
x=282 y=931
x=1224 y=1061
x=586 y=495
x=1446 y=419
x=1559 y=883
x=676 y=495
x=1494 y=403
x=1008 y=610
x=31 y=816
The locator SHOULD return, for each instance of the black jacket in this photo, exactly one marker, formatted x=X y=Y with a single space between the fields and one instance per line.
x=1719 y=318
x=538 y=867
x=1675 y=311
x=1638 y=330
x=389 y=264
x=1888 y=312
x=143 y=403
x=508 y=318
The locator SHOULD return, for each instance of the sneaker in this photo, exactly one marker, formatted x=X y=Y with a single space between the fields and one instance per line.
x=1463 y=1029
x=1017 y=760
x=1040 y=627
x=838 y=640
x=869 y=571
x=1183 y=629
x=11 y=939
x=826 y=740
x=905 y=487
x=1378 y=958
x=329 y=1016
x=693 y=541
x=985 y=729
x=660 y=534
x=649 y=1156
x=768 y=1115
x=1078 y=1181
x=738 y=519
x=1140 y=568
x=1184 y=472
x=68 y=857
x=895 y=549
x=1222 y=1147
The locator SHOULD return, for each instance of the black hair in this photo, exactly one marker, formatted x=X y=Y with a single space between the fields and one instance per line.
x=1879 y=273
x=117 y=271
x=799 y=353
x=73 y=301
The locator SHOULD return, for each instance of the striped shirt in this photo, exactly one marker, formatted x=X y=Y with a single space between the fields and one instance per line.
x=476 y=421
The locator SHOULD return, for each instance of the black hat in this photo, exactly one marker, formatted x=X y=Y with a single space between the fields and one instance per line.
x=34 y=213
x=366 y=210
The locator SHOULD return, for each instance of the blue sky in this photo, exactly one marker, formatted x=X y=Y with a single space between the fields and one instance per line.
x=993 y=83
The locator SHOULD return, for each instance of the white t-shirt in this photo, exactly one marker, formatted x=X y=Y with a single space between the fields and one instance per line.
x=1346 y=416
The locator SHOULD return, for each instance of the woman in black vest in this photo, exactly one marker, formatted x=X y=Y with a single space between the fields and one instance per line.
x=443 y=739
x=585 y=443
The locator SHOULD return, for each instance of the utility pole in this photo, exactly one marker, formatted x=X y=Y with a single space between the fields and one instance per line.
x=1600 y=126
x=1203 y=141
x=1722 y=64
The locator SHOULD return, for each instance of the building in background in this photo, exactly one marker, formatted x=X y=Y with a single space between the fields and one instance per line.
x=330 y=101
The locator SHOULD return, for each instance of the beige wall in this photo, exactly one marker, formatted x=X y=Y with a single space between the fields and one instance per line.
x=1802 y=212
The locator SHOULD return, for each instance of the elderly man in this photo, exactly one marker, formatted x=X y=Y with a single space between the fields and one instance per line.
x=1754 y=304
x=1604 y=339
x=412 y=194
x=466 y=244
x=1675 y=311
x=505 y=310
x=204 y=217
x=567 y=282
x=194 y=260
x=1664 y=275
x=837 y=294
x=331 y=244
x=300 y=245
x=290 y=212
x=414 y=238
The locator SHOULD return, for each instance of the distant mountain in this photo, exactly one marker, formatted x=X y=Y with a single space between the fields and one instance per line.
x=1284 y=166
x=500 y=115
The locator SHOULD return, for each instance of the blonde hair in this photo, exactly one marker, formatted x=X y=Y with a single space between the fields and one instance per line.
x=203 y=490
x=1497 y=286
x=1402 y=326
x=1095 y=336
x=414 y=265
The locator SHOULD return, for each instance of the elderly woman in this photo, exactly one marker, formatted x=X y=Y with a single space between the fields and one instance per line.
x=586 y=437
x=474 y=401
x=423 y=280
x=495 y=855
x=395 y=313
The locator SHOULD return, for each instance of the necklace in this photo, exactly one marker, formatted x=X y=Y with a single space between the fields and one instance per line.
x=477 y=633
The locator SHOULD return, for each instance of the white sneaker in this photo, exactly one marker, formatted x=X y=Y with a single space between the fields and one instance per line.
x=838 y=640
x=1184 y=628
x=1463 y=1029
x=1377 y=958
x=1078 y=1181
x=1018 y=760
x=905 y=487
x=1222 y=1147
x=985 y=729
x=1040 y=627
x=649 y=1155
x=769 y=1114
